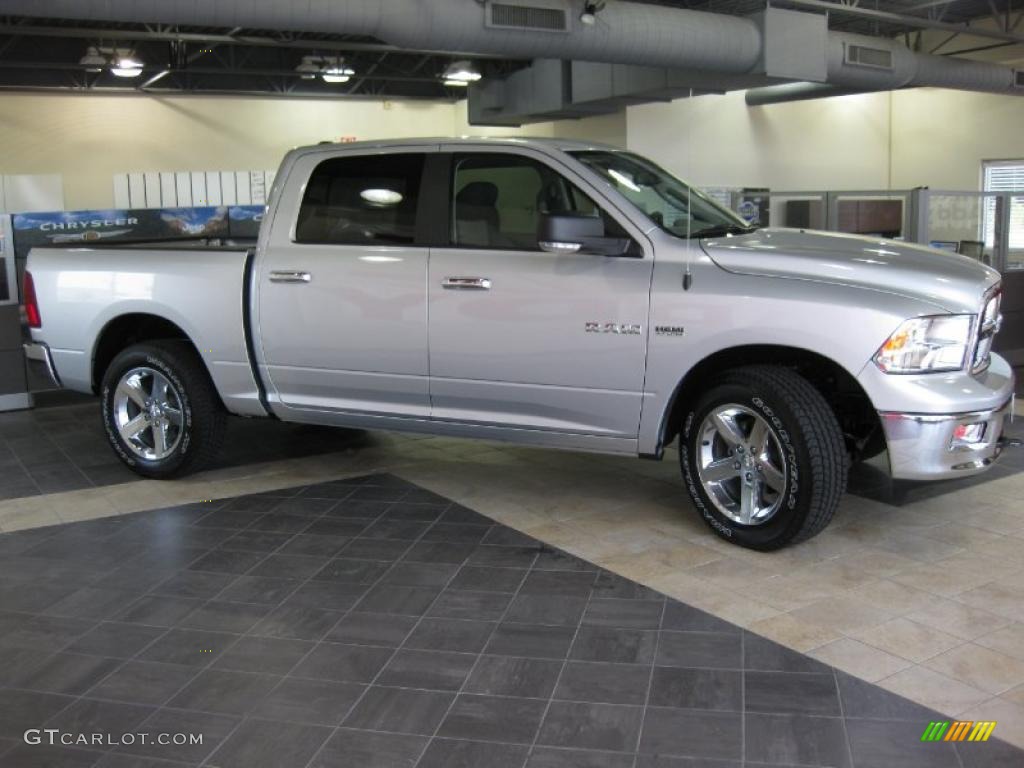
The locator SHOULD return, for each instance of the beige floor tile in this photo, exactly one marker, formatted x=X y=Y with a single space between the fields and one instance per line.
x=979 y=667
x=961 y=535
x=907 y=639
x=1014 y=695
x=841 y=574
x=793 y=633
x=915 y=547
x=965 y=621
x=786 y=593
x=1008 y=715
x=1008 y=640
x=1005 y=598
x=842 y=614
x=890 y=596
x=858 y=659
x=933 y=689
x=731 y=573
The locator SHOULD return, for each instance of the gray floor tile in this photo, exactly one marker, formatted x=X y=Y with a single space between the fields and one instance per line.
x=714 y=689
x=420 y=574
x=309 y=701
x=116 y=640
x=190 y=647
x=455 y=604
x=216 y=616
x=89 y=716
x=548 y=757
x=143 y=682
x=692 y=733
x=624 y=614
x=896 y=744
x=546 y=609
x=269 y=744
x=533 y=641
x=435 y=670
x=399 y=710
x=487 y=718
x=270 y=655
x=372 y=629
x=791 y=693
x=446 y=753
x=513 y=676
x=259 y=589
x=762 y=654
x=343 y=663
x=213 y=728
x=581 y=725
x=395 y=598
x=603 y=682
x=68 y=673
x=479 y=578
x=700 y=649
x=462 y=635
x=225 y=692
x=21 y=710
x=625 y=646
x=796 y=739
x=297 y=622
x=350 y=748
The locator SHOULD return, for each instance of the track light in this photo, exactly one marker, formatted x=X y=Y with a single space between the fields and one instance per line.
x=337 y=74
x=330 y=69
x=590 y=11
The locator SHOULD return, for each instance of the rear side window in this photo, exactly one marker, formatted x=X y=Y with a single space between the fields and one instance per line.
x=364 y=200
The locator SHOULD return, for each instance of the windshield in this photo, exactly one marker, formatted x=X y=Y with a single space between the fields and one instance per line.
x=677 y=208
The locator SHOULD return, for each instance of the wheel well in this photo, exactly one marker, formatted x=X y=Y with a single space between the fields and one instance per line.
x=122 y=332
x=857 y=417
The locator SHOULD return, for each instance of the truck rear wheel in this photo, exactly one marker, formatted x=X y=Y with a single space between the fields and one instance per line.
x=161 y=412
x=763 y=457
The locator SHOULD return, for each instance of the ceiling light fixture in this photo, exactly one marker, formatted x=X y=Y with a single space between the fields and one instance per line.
x=126 y=65
x=459 y=74
x=309 y=67
x=93 y=60
x=590 y=10
x=337 y=74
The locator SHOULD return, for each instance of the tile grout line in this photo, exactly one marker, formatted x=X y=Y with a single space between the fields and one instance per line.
x=650 y=680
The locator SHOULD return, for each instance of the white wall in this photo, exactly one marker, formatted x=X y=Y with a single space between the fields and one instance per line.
x=87 y=138
x=918 y=137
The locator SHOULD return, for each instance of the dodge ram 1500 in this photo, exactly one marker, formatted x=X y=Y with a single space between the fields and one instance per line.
x=553 y=293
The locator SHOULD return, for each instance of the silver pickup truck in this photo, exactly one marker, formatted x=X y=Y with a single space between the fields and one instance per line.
x=551 y=293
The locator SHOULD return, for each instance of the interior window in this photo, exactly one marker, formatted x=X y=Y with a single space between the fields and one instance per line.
x=368 y=199
x=499 y=199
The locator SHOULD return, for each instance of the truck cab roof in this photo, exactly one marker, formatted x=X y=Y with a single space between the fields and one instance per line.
x=537 y=142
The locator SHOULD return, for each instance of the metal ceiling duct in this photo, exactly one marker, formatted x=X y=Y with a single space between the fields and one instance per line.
x=857 y=64
x=626 y=33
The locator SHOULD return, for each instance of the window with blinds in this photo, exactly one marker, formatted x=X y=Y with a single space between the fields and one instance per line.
x=1004 y=176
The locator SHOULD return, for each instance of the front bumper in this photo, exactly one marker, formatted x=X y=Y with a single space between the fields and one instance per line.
x=921 y=446
x=40 y=364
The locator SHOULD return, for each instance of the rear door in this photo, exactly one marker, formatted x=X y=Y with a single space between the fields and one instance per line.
x=341 y=286
x=525 y=339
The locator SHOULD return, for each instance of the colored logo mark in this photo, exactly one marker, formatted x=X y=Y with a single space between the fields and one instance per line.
x=958 y=730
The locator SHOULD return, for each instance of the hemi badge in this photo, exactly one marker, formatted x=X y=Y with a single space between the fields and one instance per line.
x=669 y=330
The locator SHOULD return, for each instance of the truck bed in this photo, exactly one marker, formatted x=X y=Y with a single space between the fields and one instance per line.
x=199 y=287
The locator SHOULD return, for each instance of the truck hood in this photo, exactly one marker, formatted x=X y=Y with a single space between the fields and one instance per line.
x=953 y=282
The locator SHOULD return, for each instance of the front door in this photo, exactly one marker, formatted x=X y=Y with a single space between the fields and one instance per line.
x=521 y=338
x=341 y=287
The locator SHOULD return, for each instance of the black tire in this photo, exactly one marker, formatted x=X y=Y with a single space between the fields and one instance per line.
x=203 y=417
x=809 y=436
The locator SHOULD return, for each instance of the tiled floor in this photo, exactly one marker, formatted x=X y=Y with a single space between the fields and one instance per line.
x=52 y=450
x=367 y=622
x=919 y=589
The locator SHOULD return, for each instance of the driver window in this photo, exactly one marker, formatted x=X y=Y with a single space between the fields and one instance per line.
x=499 y=199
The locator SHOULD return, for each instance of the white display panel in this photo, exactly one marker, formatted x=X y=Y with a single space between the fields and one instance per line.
x=184 y=189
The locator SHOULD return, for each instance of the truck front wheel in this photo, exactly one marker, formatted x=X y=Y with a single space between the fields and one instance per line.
x=161 y=412
x=763 y=457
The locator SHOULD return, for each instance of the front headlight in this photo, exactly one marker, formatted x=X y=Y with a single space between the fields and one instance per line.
x=927 y=345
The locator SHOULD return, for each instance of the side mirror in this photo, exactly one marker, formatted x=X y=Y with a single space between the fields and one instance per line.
x=576 y=233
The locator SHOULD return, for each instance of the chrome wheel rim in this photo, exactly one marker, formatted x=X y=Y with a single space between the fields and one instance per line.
x=148 y=413
x=741 y=464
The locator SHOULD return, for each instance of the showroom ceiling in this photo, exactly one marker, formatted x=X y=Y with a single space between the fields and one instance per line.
x=62 y=53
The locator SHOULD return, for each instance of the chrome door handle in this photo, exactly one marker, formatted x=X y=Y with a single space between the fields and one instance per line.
x=467 y=283
x=290 y=276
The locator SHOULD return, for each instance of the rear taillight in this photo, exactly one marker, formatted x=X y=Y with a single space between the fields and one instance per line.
x=28 y=295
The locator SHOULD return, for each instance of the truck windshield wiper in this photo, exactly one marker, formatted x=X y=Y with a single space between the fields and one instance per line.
x=722 y=230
